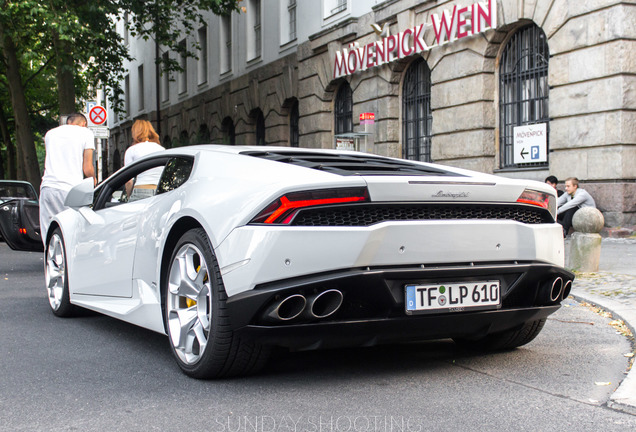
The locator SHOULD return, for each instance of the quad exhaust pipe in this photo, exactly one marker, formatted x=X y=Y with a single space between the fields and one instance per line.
x=323 y=304
x=313 y=307
x=286 y=309
x=551 y=290
x=566 y=289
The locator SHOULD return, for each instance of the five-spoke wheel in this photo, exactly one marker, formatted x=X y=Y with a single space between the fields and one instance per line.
x=196 y=316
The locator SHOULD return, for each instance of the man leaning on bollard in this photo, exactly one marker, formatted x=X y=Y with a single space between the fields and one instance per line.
x=573 y=199
x=69 y=158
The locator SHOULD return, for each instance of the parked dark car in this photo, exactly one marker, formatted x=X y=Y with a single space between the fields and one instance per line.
x=19 y=216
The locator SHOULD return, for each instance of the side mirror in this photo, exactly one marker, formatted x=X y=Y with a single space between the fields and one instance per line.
x=81 y=195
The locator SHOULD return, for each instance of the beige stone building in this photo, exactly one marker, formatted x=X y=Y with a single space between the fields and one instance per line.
x=519 y=88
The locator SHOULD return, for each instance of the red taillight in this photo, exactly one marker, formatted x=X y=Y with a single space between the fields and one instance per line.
x=540 y=199
x=22 y=230
x=284 y=208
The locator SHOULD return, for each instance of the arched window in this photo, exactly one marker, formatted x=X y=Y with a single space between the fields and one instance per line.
x=343 y=110
x=293 y=125
x=260 y=127
x=417 y=118
x=227 y=129
x=184 y=139
x=523 y=88
x=203 y=135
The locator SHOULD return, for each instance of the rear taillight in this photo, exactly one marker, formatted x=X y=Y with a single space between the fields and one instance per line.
x=22 y=230
x=539 y=199
x=283 y=210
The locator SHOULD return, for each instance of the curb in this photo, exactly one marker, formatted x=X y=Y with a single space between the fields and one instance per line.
x=624 y=398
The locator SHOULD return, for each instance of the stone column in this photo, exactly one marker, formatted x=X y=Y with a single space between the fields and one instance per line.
x=585 y=248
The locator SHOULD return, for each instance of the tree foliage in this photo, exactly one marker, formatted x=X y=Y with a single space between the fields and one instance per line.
x=65 y=49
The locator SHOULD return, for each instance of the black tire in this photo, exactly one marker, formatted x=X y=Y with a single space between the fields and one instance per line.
x=201 y=316
x=505 y=340
x=56 y=275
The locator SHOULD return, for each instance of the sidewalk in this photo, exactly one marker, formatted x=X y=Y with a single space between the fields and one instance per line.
x=613 y=288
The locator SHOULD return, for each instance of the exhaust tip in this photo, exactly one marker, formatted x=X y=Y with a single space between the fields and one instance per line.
x=566 y=289
x=326 y=303
x=287 y=309
x=557 y=288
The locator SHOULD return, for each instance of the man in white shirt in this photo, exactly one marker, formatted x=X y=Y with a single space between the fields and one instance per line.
x=573 y=199
x=69 y=158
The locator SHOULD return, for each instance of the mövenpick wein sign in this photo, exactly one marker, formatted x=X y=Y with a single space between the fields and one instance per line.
x=451 y=25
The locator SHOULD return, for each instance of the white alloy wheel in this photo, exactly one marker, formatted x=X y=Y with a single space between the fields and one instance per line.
x=189 y=304
x=56 y=277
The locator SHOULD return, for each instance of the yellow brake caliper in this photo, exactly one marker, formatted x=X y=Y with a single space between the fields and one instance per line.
x=189 y=301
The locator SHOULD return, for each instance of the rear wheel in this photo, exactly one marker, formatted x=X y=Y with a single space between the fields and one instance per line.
x=504 y=340
x=197 y=320
x=55 y=273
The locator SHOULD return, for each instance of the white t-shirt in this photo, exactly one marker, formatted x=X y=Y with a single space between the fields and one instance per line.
x=139 y=150
x=63 y=165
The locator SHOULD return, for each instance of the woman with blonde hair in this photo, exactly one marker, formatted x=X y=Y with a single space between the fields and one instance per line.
x=145 y=142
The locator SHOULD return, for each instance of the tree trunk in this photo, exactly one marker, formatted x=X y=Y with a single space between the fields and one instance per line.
x=64 y=74
x=10 y=154
x=27 y=156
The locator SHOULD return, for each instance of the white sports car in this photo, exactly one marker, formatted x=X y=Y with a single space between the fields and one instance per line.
x=239 y=249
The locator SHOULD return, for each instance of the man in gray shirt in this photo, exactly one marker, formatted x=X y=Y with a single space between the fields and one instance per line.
x=573 y=199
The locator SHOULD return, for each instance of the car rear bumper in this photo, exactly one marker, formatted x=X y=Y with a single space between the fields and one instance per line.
x=372 y=309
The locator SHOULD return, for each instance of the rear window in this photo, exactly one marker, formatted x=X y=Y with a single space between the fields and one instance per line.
x=341 y=164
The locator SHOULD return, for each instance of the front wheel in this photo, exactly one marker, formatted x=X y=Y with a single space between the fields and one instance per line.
x=197 y=320
x=56 y=276
x=504 y=340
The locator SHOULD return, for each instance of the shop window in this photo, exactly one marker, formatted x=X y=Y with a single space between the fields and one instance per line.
x=417 y=117
x=523 y=88
x=343 y=110
x=293 y=125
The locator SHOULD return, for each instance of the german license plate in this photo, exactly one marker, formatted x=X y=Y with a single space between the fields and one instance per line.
x=452 y=297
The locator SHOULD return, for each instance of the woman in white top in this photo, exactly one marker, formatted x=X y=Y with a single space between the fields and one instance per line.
x=145 y=142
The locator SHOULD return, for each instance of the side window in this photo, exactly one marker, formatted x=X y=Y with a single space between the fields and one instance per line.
x=134 y=183
x=175 y=174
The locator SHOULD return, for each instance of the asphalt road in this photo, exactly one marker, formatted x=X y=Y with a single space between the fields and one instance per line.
x=93 y=373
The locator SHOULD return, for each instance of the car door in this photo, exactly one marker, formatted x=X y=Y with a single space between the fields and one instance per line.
x=105 y=251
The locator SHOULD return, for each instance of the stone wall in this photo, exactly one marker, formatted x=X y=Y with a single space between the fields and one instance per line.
x=592 y=99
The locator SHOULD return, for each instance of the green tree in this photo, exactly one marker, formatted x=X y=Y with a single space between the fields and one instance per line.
x=73 y=46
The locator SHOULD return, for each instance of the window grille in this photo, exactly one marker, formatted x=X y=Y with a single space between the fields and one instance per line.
x=523 y=88
x=343 y=112
x=417 y=117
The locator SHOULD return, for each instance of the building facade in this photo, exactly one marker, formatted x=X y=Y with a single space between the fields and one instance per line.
x=516 y=88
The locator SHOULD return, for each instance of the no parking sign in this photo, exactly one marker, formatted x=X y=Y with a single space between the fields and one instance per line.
x=97 y=115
